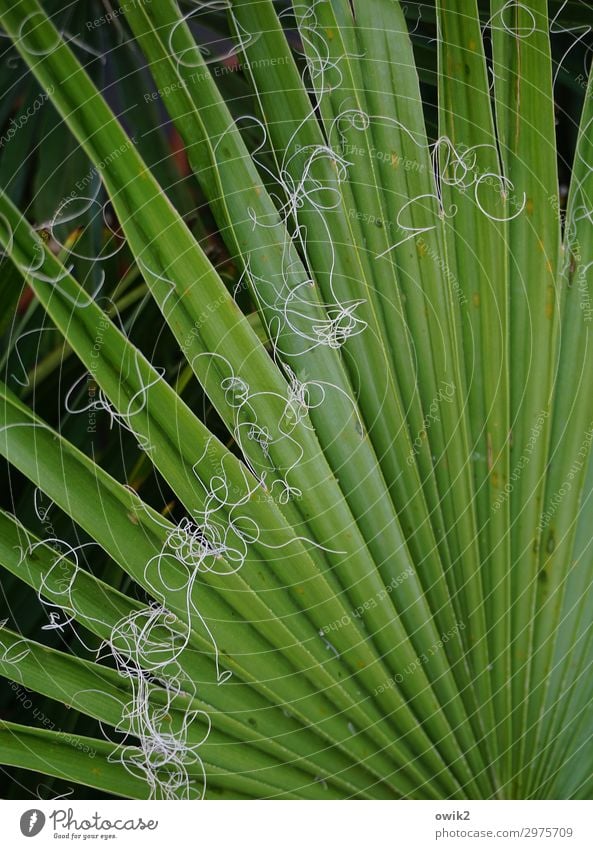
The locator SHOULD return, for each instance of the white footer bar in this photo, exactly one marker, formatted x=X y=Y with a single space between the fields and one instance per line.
x=297 y=825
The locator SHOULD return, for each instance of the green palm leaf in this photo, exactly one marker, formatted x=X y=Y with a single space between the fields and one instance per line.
x=373 y=576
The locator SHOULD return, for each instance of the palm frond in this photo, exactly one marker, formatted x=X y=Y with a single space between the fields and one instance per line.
x=372 y=575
